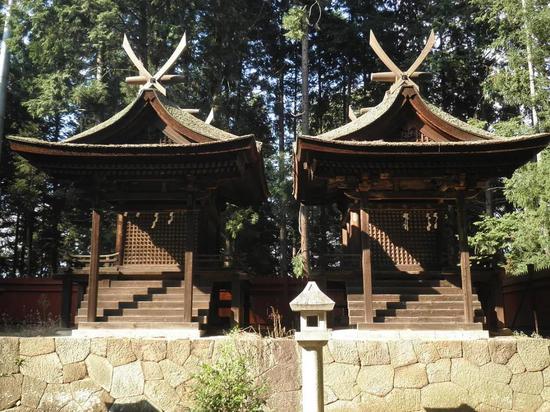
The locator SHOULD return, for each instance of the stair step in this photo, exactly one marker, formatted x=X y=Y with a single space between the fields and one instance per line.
x=138 y=325
x=145 y=283
x=423 y=319
x=413 y=305
x=146 y=297
x=420 y=290
x=361 y=325
x=394 y=297
x=414 y=282
x=414 y=312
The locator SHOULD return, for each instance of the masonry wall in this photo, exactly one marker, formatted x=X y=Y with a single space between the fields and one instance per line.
x=72 y=374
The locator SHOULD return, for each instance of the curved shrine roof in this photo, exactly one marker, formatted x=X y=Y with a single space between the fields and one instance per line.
x=153 y=138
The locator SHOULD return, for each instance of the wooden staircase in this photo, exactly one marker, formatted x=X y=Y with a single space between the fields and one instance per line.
x=401 y=300
x=140 y=303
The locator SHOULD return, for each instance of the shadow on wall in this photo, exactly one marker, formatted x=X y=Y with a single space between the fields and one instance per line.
x=141 y=406
x=461 y=408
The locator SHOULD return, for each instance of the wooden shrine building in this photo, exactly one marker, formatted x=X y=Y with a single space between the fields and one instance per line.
x=168 y=175
x=402 y=174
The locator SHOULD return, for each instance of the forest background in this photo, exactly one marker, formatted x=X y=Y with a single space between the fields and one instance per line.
x=244 y=59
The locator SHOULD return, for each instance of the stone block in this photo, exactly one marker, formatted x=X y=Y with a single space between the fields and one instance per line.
x=202 y=349
x=426 y=352
x=178 y=351
x=495 y=372
x=74 y=372
x=32 y=391
x=119 y=351
x=128 y=380
x=71 y=350
x=465 y=374
x=476 y=351
x=401 y=353
x=47 y=368
x=372 y=403
x=545 y=407
x=285 y=401
x=515 y=364
x=328 y=395
x=527 y=382
x=327 y=356
x=373 y=353
x=151 y=371
x=375 y=379
x=546 y=376
x=494 y=394
x=526 y=402
x=149 y=349
x=161 y=395
x=100 y=370
x=534 y=353
x=411 y=376
x=284 y=377
x=174 y=374
x=341 y=377
x=403 y=400
x=82 y=390
x=439 y=371
x=10 y=390
x=545 y=393
x=55 y=397
x=36 y=346
x=348 y=406
x=344 y=351
x=444 y=396
x=98 y=346
x=9 y=353
x=501 y=350
x=449 y=348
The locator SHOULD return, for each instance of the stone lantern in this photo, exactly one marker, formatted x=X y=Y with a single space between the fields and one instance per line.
x=313 y=306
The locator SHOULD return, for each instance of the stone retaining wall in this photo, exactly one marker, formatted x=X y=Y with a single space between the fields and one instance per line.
x=73 y=374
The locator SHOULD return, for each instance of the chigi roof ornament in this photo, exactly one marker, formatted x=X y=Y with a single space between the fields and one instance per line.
x=396 y=75
x=148 y=80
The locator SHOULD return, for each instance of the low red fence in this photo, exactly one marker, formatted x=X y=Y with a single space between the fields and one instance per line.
x=525 y=301
x=35 y=300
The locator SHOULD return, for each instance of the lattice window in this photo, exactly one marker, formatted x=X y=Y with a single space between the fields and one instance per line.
x=404 y=237
x=154 y=238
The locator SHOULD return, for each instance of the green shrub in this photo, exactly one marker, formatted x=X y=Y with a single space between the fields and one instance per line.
x=228 y=384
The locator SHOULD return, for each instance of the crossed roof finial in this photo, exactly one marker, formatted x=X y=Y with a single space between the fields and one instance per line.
x=396 y=75
x=148 y=80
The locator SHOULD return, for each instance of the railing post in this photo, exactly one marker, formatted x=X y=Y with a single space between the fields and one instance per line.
x=465 y=271
x=366 y=264
x=190 y=236
x=94 y=266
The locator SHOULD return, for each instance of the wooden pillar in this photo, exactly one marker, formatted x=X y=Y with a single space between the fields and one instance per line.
x=355 y=242
x=94 y=266
x=119 y=242
x=189 y=251
x=465 y=272
x=366 y=264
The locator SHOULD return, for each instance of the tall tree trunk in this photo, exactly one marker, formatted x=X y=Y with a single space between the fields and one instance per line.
x=29 y=229
x=280 y=111
x=304 y=212
x=16 y=245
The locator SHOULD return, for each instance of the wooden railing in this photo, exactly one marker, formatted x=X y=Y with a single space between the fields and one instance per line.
x=105 y=261
x=202 y=261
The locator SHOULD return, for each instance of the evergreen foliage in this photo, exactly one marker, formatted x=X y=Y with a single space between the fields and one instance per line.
x=67 y=74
